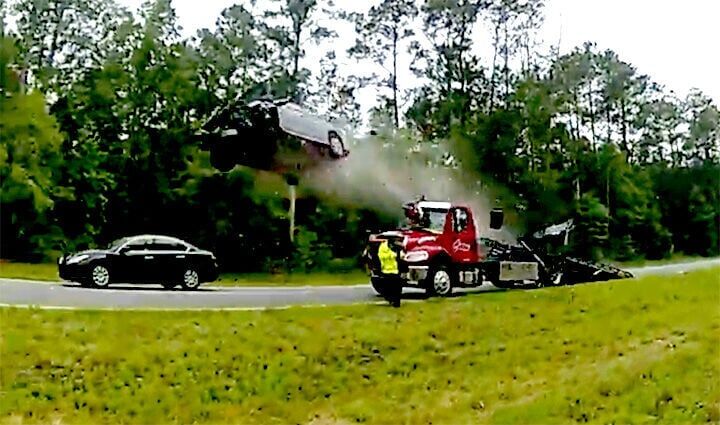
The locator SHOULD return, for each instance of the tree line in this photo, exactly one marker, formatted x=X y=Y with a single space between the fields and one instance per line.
x=99 y=107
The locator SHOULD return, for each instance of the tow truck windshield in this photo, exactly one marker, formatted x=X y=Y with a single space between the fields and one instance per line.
x=434 y=219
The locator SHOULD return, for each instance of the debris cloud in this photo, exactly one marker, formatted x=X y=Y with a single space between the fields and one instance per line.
x=383 y=176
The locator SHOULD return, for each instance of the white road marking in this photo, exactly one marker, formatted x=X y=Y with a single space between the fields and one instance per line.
x=172 y=309
x=213 y=287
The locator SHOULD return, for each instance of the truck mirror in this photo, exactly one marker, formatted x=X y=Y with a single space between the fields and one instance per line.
x=496 y=218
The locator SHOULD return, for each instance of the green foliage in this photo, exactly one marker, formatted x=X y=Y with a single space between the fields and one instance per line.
x=29 y=159
x=502 y=357
x=690 y=206
x=592 y=222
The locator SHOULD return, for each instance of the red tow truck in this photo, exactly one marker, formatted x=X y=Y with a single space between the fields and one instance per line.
x=440 y=249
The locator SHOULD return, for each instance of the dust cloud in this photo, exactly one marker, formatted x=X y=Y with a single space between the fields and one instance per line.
x=384 y=176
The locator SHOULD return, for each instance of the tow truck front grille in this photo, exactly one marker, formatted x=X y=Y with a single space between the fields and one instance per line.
x=415 y=274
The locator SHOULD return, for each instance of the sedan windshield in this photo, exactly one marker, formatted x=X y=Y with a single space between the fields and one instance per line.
x=117 y=243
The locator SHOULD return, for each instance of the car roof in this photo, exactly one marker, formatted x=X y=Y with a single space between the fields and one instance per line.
x=434 y=205
x=151 y=236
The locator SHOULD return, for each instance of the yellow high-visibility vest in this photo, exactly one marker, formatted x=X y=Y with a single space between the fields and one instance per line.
x=388 y=259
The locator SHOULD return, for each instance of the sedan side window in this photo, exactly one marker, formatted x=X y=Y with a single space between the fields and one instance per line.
x=136 y=246
x=167 y=245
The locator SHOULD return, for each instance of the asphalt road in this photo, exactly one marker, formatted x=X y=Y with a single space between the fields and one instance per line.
x=15 y=292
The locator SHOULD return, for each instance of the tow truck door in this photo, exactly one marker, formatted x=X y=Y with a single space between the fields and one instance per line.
x=462 y=243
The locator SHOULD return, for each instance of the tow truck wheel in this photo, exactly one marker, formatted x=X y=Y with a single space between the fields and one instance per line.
x=439 y=282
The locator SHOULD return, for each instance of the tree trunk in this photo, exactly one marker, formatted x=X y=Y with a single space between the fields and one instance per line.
x=578 y=115
x=396 y=114
x=609 y=124
x=528 y=58
x=448 y=73
x=577 y=189
x=507 y=69
x=592 y=115
x=607 y=187
x=623 y=123
x=494 y=67
x=296 y=53
x=292 y=212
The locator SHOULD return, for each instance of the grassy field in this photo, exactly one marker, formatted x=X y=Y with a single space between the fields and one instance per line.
x=48 y=272
x=41 y=271
x=624 y=352
x=675 y=258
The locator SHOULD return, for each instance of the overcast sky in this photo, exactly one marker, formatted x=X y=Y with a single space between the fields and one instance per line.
x=675 y=42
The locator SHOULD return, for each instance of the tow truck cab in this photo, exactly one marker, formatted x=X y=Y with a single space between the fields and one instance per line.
x=438 y=250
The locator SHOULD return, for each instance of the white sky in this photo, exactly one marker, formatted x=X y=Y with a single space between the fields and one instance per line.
x=672 y=41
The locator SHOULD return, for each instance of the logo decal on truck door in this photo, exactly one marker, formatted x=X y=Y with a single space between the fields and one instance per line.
x=458 y=245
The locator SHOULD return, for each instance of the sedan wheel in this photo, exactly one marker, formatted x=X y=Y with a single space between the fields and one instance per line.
x=191 y=280
x=100 y=276
x=336 y=146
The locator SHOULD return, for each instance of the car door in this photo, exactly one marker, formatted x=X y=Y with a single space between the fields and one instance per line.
x=135 y=262
x=171 y=257
x=315 y=127
x=293 y=121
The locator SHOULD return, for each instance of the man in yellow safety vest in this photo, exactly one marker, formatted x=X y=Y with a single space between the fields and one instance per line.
x=389 y=266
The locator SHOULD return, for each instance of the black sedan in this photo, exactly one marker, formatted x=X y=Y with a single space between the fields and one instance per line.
x=141 y=259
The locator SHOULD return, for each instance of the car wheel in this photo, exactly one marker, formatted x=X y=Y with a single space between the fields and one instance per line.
x=191 y=279
x=337 y=149
x=440 y=282
x=100 y=276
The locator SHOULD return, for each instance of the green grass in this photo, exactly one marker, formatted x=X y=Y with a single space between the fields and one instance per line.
x=41 y=271
x=625 y=352
x=675 y=258
x=48 y=272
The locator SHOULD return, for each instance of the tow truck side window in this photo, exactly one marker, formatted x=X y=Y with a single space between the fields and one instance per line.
x=460 y=220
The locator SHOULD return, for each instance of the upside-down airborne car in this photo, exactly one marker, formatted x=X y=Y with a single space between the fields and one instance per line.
x=275 y=135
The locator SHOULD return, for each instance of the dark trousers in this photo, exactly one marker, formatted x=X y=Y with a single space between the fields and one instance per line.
x=393 y=293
